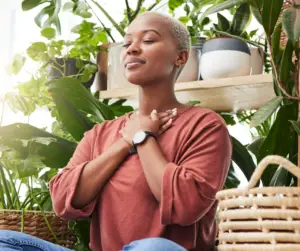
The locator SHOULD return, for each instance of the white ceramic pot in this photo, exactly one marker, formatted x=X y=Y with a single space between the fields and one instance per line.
x=224 y=57
x=257 y=60
x=190 y=71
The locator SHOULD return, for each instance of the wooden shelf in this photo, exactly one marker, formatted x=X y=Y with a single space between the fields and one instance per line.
x=227 y=94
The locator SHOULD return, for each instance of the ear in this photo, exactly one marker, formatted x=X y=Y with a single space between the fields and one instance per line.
x=182 y=58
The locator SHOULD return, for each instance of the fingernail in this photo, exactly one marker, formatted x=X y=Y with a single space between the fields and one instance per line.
x=170 y=120
x=174 y=113
x=175 y=109
x=154 y=111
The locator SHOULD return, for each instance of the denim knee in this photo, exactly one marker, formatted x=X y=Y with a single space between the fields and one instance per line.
x=151 y=244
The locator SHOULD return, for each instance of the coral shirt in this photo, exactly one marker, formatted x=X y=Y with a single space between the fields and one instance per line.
x=198 y=150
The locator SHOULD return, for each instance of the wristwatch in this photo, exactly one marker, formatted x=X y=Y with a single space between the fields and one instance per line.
x=140 y=137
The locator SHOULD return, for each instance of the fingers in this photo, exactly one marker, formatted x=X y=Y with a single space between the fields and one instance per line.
x=154 y=115
x=165 y=127
x=168 y=113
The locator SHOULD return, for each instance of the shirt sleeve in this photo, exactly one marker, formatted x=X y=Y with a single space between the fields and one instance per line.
x=189 y=187
x=63 y=185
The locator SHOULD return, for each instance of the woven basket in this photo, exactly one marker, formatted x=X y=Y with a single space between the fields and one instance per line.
x=261 y=218
x=35 y=225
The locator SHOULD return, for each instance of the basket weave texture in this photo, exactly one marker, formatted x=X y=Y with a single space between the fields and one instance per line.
x=35 y=225
x=261 y=218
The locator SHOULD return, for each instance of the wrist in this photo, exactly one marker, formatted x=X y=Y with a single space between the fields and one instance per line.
x=125 y=145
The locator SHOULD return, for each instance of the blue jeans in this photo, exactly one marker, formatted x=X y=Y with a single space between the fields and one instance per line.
x=16 y=241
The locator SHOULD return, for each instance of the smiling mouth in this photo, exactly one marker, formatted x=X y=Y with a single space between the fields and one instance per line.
x=133 y=65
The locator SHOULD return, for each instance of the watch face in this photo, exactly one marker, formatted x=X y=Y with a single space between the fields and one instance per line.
x=139 y=137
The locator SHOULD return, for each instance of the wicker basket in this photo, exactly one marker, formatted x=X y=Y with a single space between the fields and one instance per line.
x=261 y=218
x=35 y=225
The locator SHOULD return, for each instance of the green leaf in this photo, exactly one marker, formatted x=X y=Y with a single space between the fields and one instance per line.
x=31 y=166
x=276 y=42
x=82 y=229
x=219 y=7
x=286 y=62
x=49 y=15
x=265 y=111
x=256 y=13
x=48 y=33
x=296 y=126
x=55 y=155
x=18 y=103
x=173 y=4
x=232 y=179
x=184 y=20
x=30 y=4
x=79 y=97
x=252 y=33
x=291 y=23
x=241 y=19
x=279 y=141
x=242 y=158
x=75 y=121
x=281 y=177
x=17 y=64
x=38 y=52
x=68 y=6
x=270 y=14
x=256 y=145
x=223 y=23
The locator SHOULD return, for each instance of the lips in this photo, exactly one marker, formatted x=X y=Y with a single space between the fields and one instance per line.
x=133 y=63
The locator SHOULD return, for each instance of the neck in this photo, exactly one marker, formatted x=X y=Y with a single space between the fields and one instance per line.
x=159 y=97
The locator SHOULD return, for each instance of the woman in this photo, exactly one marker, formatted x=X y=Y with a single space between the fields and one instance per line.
x=154 y=173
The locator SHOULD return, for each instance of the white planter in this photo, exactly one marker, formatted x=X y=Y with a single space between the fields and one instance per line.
x=225 y=57
x=257 y=61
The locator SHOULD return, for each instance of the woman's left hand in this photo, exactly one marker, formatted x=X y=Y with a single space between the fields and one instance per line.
x=154 y=123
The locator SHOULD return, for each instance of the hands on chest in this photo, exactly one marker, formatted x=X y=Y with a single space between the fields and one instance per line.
x=156 y=123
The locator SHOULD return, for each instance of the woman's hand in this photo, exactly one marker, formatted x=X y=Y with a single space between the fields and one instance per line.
x=156 y=123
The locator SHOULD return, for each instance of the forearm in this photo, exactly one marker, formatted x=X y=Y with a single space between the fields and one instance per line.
x=97 y=172
x=153 y=163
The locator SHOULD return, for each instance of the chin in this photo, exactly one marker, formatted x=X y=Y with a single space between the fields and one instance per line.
x=136 y=79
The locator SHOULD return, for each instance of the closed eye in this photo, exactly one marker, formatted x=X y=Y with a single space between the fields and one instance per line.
x=149 y=41
x=126 y=45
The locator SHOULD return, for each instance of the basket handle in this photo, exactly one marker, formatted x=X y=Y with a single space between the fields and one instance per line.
x=272 y=159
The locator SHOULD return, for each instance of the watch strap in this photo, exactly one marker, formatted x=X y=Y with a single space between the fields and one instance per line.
x=148 y=134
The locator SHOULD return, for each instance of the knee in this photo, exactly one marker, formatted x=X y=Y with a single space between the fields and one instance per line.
x=150 y=244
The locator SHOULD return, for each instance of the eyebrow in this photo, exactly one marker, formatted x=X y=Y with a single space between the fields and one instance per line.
x=145 y=31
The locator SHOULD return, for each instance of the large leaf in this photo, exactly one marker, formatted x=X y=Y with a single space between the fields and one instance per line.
x=291 y=23
x=296 y=126
x=281 y=178
x=30 y=4
x=280 y=138
x=270 y=13
x=286 y=63
x=77 y=95
x=265 y=111
x=241 y=19
x=48 y=15
x=276 y=37
x=56 y=154
x=17 y=103
x=242 y=158
x=232 y=179
x=255 y=146
x=222 y=6
x=223 y=23
x=73 y=119
x=38 y=51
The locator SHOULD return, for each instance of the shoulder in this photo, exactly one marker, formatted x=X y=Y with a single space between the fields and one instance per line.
x=204 y=117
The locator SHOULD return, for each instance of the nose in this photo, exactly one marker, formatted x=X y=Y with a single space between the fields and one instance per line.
x=133 y=49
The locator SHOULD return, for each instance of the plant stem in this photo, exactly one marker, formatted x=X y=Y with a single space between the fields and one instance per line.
x=106 y=29
x=275 y=70
x=5 y=185
x=128 y=11
x=2 y=196
x=119 y=29
x=13 y=188
x=137 y=9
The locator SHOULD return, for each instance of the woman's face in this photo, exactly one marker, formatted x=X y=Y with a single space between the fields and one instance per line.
x=149 y=52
